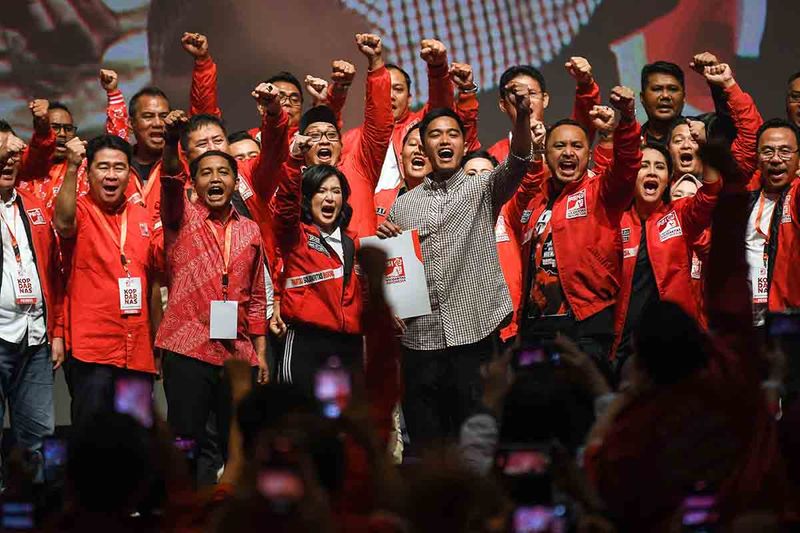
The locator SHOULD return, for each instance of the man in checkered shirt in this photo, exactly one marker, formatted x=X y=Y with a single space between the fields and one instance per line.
x=455 y=215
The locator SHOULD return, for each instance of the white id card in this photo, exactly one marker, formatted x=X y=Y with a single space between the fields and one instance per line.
x=130 y=295
x=23 y=289
x=760 y=286
x=224 y=316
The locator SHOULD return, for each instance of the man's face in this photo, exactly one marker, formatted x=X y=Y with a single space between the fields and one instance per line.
x=777 y=158
x=8 y=174
x=326 y=144
x=539 y=100
x=148 y=123
x=683 y=150
x=567 y=153
x=444 y=145
x=793 y=102
x=653 y=177
x=415 y=164
x=663 y=97
x=204 y=139
x=244 y=149
x=291 y=101
x=61 y=122
x=108 y=177
x=215 y=182
x=400 y=93
x=478 y=165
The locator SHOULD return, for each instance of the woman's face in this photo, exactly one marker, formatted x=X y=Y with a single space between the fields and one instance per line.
x=653 y=176
x=326 y=204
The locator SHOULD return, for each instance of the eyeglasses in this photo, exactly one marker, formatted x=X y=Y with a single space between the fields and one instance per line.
x=535 y=95
x=783 y=152
x=293 y=99
x=794 y=97
x=331 y=135
x=68 y=128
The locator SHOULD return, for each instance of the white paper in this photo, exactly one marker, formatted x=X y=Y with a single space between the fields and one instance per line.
x=224 y=316
x=405 y=284
x=130 y=295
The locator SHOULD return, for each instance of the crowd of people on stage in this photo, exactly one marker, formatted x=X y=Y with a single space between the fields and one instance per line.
x=611 y=346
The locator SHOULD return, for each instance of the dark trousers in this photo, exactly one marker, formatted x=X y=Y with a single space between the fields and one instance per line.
x=306 y=349
x=442 y=388
x=92 y=388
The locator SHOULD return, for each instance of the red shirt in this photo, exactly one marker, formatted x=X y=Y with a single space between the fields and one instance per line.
x=194 y=277
x=98 y=331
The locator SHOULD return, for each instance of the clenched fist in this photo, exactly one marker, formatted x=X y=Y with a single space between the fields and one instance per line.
x=719 y=75
x=41 y=122
x=196 y=44
x=175 y=122
x=370 y=45
x=580 y=69
x=268 y=97
x=520 y=97
x=317 y=88
x=538 y=134
x=11 y=147
x=622 y=98
x=342 y=73
x=109 y=80
x=602 y=118
x=433 y=52
x=700 y=61
x=76 y=151
x=461 y=74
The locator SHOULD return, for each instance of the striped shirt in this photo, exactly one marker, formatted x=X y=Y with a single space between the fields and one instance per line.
x=456 y=218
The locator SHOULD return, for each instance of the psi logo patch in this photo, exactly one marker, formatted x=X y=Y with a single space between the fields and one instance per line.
x=669 y=227
x=36 y=217
x=576 y=205
x=395 y=270
x=315 y=243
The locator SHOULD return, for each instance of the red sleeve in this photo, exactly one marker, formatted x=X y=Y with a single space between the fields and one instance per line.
x=35 y=160
x=117 y=115
x=57 y=282
x=747 y=120
x=467 y=109
x=336 y=102
x=586 y=97
x=376 y=133
x=440 y=88
x=530 y=186
x=173 y=200
x=257 y=309
x=382 y=367
x=263 y=172
x=696 y=211
x=618 y=183
x=203 y=96
x=603 y=157
x=288 y=199
x=158 y=256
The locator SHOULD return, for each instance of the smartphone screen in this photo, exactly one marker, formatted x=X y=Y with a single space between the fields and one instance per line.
x=538 y=518
x=523 y=462
x=133 y=396
x=535 y=354
x=18 y=515
x=186 y=446
x=280 y=485
x=332 y=389
x=54 y=452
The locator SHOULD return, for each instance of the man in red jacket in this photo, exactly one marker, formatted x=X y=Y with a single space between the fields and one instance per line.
x=31 y=303
x=793 y=99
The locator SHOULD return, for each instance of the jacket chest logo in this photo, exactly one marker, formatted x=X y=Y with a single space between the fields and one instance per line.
x=36 y=217
x=144 y=229
x=315 y=243
x=244 y=189
x=526 y=216
x=576 y=205
x=669 y=227
x=786 y=212
x=500 y=230
x=626 y=234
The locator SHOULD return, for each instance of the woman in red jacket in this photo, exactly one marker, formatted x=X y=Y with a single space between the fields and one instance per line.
x=657 y=238
x=321 y=300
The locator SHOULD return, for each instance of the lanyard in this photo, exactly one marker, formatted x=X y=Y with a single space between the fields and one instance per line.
x=123 y=234
x=225 y=250
x=147 y=188
x=12 y=232
x=766 y=235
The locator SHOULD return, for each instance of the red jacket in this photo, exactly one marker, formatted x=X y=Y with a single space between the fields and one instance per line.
x=585 y=227
x=319 y=289
x=672 y=229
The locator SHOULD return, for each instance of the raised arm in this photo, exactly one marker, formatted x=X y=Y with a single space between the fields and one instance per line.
x=724 y=125
x=203 y=95
x=587 y=92
x=619 y=181
x=173 y=176
x=264 y=170
x=67 y=199
x=697 y=210
x=440 y=86
x=334 y=94
x=505 y=179
x=116 y=112
x=467 y=103
x=35 y=161
x=288 y=199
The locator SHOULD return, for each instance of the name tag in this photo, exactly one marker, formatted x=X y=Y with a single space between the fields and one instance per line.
x=760 y=285
x=224 y=317
x=23 y=289
x=130 y=295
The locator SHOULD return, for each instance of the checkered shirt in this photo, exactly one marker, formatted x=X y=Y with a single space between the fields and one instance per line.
x=455 y=219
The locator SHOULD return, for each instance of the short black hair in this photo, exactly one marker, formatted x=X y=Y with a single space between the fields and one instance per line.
x=567 y=122
x=662 y=67
x=107 y=141
x=520 y=70
x=193 y=166
x=319 y=113
x=439 y=112
x=480 y=154
x=793 y=77
x=401 y=71
x=313 y=177
x=775 y=123
x=55 y=104
x=198 y=121
x=661 y=149
x=6 y=127
x=144 y=91
x=288 y=77
x=413 y=128
x=241 y=135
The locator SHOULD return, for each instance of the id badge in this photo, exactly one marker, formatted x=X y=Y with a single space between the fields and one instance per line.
x=760 y=286
x=224 y=318
x=23 y=289
x=130 y=295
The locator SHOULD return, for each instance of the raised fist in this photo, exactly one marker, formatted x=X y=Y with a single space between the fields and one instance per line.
x=196 y=44
x=602 y=118
x=622 y=98
x=519 y=96
x=538 y=134
x=175 y=122
x=461 y=74
x=76 y=151
x=109 y=80
x=370 y=45
x=301 y=144
x=433 y=52
x=41 y=122
x=580 y=69
x=719 y=74
x=700 y=61
x=11 y=147
x=317 y=88
x=697 y=129
x=342 y=73
x=268 y=97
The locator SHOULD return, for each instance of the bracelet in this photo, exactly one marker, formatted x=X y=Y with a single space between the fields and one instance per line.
x=470 y=90
x=527 y=159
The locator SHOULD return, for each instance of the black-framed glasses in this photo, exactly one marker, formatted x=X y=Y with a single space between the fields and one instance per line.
x=794 y=97
x=67 y=128
x=331 y=135
x=293 y=99
x=784 y=152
